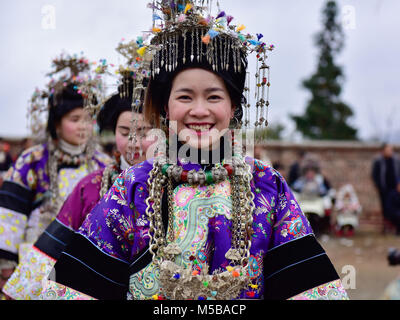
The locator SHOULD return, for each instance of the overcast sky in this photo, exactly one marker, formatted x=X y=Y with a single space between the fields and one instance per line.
x=370 y=57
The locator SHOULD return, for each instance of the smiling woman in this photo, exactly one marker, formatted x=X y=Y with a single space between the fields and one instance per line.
x=45 y=174
x=186 y=229
x=200 y=105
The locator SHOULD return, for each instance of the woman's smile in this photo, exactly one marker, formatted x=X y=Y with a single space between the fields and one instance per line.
x=199 y=107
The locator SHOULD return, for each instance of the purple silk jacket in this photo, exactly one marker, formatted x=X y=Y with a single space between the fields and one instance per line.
x=103 y=257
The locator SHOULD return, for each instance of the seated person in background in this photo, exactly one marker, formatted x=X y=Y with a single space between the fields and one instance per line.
x=346 y=211
x=311 y=181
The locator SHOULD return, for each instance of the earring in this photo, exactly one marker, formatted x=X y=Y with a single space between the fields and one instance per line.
x=234 y=123
x=164 y=123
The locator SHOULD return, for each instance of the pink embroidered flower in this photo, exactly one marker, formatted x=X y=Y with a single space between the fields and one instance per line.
x=184 y=195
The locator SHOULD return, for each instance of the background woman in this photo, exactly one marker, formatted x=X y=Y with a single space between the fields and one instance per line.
x=45 y=174
x=116 y=115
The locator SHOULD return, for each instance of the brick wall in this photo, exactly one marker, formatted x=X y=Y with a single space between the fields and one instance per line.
x=341 y=163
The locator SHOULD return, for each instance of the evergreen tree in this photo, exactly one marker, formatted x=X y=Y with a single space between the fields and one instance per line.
x=326 y=116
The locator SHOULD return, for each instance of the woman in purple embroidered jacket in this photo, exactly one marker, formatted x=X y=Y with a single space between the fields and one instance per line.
x=45 y=174
x=198 y=221
x=116 y=115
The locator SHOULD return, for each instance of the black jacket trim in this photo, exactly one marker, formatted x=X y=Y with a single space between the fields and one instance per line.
x=54 y=239
x=16 y=197
x=83 y=267
x=295 y=267
x=7 y=255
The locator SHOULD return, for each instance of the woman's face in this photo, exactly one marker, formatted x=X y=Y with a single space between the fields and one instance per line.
x=75 y=127
x=199 y=108
x=133 y=153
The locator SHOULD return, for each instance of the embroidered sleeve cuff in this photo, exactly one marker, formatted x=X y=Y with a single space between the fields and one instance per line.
x=26 y=283
x=329 y=291
x=55 y=291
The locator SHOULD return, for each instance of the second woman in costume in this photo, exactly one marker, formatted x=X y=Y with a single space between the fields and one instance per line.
x=45 y=174
x=117 y=116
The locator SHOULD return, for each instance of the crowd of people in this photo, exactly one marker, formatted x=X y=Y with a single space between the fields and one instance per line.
x=305 y=177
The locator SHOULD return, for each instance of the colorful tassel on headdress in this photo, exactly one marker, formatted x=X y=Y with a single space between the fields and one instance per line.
x=229 y=19
x=181 y=7
x=254 y=42
x=156 y=17
x=221 y=22
x=213 y=33
x=240 y=28
x=156 y=30
x=259 y=36
x=139 y=41
x=141 y=51
x=220 y=15
x=182 y=17
x=187 y=8
x=241 y=37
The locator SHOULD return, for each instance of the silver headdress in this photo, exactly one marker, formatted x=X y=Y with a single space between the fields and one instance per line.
x=186 y=32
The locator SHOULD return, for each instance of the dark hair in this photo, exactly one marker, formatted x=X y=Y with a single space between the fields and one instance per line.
x=60 y=103
x=160 y=85
x=117 y=104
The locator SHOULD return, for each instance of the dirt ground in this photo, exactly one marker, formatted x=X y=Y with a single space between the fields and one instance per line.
x=366 y=254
